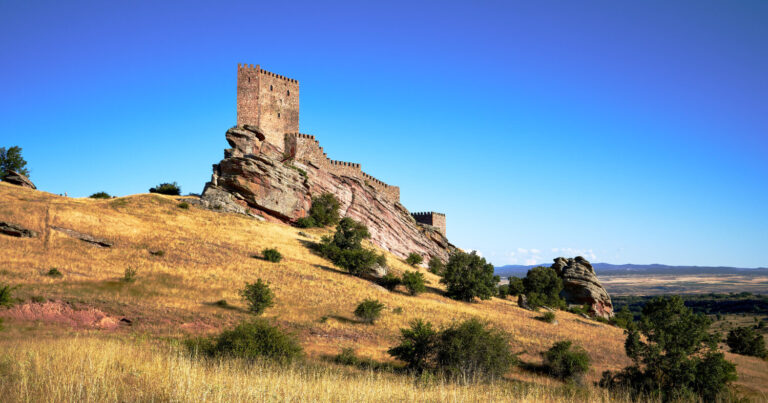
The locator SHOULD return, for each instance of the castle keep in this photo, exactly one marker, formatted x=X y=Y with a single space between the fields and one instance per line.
x=270 y=102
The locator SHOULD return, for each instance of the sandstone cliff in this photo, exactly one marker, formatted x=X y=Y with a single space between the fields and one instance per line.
x=581 y=286
x=255 y=178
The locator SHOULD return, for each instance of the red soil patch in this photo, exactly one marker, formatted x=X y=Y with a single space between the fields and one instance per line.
x=62 y=313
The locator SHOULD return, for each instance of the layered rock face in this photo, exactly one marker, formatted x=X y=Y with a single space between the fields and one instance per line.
x=581 y=286
x=18 y=179
x=255 y=178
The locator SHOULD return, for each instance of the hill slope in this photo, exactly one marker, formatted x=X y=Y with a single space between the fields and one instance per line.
x=207 y=257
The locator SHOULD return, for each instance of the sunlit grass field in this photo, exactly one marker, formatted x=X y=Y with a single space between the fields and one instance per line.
x=208 y=257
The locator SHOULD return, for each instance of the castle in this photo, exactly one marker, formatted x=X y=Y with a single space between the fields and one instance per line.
x=270 y=102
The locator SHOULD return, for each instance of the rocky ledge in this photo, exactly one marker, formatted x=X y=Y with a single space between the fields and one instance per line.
x=256 y=179
x=581 y=286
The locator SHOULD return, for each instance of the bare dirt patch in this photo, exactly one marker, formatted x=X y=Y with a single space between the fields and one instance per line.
x=62 y=313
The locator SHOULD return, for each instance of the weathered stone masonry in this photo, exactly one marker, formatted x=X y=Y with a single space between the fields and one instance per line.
x=270 y=102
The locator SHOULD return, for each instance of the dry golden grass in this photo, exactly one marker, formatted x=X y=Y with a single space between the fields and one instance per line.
x=208 y=257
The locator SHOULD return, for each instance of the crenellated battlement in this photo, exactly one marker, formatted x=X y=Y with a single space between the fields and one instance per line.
x=259 y=70
x=431 y=218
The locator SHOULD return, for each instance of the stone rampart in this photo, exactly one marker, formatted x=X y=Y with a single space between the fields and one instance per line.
x=305 y=148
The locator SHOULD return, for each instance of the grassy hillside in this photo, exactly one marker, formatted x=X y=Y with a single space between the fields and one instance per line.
x=64 y=337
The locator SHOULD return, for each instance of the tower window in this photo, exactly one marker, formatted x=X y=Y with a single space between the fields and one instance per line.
x=288 y=92
x=278 y=114
x=270 y=88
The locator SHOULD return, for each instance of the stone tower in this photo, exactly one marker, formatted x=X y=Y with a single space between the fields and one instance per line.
x=268 y=101
x=431 y=218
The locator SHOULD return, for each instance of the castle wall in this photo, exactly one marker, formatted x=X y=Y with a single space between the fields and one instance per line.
x=269 y=101
x=431 y=218
x=305 y=148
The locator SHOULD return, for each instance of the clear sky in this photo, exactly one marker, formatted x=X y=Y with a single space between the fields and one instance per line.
x=627 y=132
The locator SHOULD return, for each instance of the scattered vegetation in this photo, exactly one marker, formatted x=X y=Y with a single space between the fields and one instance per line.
x=251 y=341
x=100 y=195
x=548 y=317
x=465 y=352
x=6 y=297
x=345 y=248
x=301 y=172
x=566 y=361
x=369 y=310
x=502 y=291
x=516 y=286
x=183 y=205
x=542 y=288
x=414 y=259
x=257 y=296
x=745 y=340
x=414 y=282
x=467 y=276
x=390 y=281
x=171 y=189
x=436 y=266
x=11 y=160
x=347 y=356
x=323 y=212
x=674 y=355
x=54 y=272
x=129 y=276
x=623 y=318
x=272 y=255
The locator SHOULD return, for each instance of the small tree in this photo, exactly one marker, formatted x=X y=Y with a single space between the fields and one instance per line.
x=566 y=361
x=414 y=282
x=272 y=255
x=468 y=275
x=417 y=346
x=471 y=351
x=674 y=354
x=257 y=296
x=11 y=160
x=390 y=281
x=746 y=341
x=171 y=189
x=6 y=297
x=345 y=248
x=436 y=266
x=100 y=195
x=414 y=259
x=542 y=287
x=254 y=340
x=502 y=291
x=369 y=310
x=516 y=286
x=323 y=212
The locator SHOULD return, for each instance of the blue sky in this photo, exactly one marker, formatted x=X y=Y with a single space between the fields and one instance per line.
x=622 y=131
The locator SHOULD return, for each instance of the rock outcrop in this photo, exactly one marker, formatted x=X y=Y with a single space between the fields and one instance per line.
x=11 y=229
x=256 y=178
x=18 y=179
x=581 y=286
x=84 y=237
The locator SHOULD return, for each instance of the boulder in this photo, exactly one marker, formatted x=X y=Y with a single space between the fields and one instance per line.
x=16 y=178
x=581 y=286
x=253 y=177
x=522 y=302
x=18 y=231
x=84 y=237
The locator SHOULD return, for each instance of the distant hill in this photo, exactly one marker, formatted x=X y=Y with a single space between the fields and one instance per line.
x=607 y=269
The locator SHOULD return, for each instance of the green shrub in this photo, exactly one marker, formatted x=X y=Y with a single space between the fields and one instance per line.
x=346 y=251
x=11 y=160
x=566 y=361
x=471 y=351
x=390 y=281
x=6 y=297
x=468 y=275
x=347 y=356
x=369 y=310
x=548 y=317
x=516 y=286
x=257 y=296
x=624 y=318
x=251 y=341
x=502 y=291
x=674 y=355
x=436 y=266
x=129 y=276
x=272 y=255
x=579 y=310
x=417 y=346
x=54 y=272
x=183 y=205
x=38 y=299
x=306 y=222
x=414 y=259
x=746 y=341
x=323 y=212
x=1 y=325
x=414 y=282
x=542 y=287
x=167 y=189
x=100 y=195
